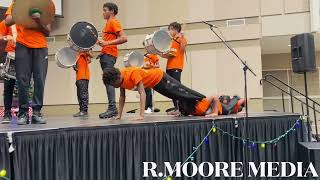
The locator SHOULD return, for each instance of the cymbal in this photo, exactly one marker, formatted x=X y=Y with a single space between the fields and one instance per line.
x=22 y=10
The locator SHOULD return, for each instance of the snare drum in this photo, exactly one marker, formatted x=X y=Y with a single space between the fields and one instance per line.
x=158 y=43
x=66 y=57
x=7 y=70
x=83 y=36
x=134 y=58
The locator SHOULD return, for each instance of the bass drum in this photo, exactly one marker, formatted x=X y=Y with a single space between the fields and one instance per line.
x=135 y=59
x=66 y=57
x=158 y=43
x=83 y=36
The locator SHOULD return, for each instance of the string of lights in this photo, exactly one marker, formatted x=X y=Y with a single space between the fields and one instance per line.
x=252 y=144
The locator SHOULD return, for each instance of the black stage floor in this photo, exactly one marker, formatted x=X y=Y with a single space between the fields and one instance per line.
x=63 y=122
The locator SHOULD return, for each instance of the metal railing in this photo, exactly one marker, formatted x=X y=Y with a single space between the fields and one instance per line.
x=315 y=105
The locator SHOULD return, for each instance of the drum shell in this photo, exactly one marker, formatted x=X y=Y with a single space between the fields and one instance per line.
x=7 y=70
x=133 y=59
x=148 y=45
x=66 y=58
x=11 y=55
x=82 y=36
x=158 y=43
x=72 y=45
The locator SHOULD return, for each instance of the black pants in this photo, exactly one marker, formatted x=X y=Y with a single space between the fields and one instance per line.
x=8 y=93
x=173 y=89
x=105 y=62
x=176 y=74
x=8 y=90
x=83 y=94
x=149 y=100
x=31 y=61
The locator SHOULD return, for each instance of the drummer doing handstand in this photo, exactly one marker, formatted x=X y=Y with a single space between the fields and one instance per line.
x=134 y=78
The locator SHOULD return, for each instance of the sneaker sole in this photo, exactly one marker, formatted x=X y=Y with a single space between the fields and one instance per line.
x=87 y=115
x=22 y=123
x=35 y=122
x=108 y=117
x=5 y=122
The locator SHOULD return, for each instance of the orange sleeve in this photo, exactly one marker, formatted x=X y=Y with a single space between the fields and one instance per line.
x=184 y=41
x=3 y=29
x=136 y=77
x=116 y=26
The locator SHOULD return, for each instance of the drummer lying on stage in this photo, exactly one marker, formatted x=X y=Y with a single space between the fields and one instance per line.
x=191 y=102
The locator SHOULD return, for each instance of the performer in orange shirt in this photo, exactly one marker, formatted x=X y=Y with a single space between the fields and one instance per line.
x=150 y=61
x=135 y=78
x=211 y=106
x=6 y=34
x=83 y=76
x=192 y=102
x=175 y=63
x=113 y=35
x=31 y=59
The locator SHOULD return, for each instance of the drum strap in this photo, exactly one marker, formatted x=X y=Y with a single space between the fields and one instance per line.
x=147 y=56
x=176 y=40
x=14 y=33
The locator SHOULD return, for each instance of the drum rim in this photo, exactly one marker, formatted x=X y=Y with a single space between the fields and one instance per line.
x=82 y=49
x=168 y=49
x=126 y=59
x=65 y=66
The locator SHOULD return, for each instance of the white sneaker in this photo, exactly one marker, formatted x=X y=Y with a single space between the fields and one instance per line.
x=148 y=111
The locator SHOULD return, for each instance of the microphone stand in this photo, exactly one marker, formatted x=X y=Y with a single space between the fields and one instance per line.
x=245 y=68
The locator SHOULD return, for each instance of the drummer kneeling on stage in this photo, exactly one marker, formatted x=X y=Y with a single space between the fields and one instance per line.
x=135 y=78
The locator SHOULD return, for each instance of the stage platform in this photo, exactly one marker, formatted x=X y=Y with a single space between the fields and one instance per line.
x=65 y=122
x=101 y=149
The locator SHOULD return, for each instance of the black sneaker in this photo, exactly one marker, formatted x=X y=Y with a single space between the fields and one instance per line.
x=108 y=114
x=7 y=117
x=23 y=119
x=81 y=114
x=37 y=118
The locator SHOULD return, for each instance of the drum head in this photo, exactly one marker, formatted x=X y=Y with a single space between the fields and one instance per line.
x=66 y=57
x=134 y=59
x=84 y=35
x=162 y=40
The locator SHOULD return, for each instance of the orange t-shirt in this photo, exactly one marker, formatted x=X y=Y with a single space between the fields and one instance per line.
x=202 y=107
x=28 y=37
x=4 y=31
x=111 y=32
x=83 y=67
x=176 y=62
x=152 y=59
x=133 y=75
